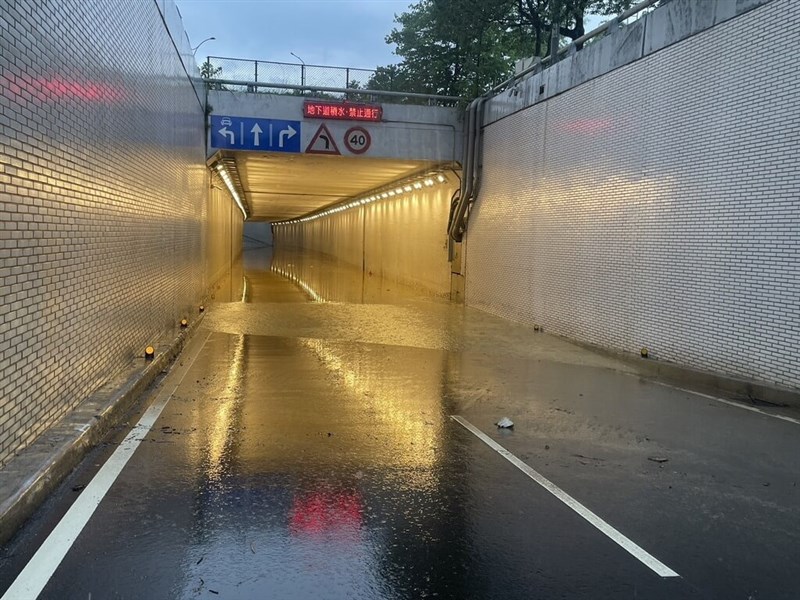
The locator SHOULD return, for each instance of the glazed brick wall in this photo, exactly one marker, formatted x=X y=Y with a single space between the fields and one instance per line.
x=406 y=239
x=402 y=239
x=657 y=206
x=102 y=201
x=224 y=232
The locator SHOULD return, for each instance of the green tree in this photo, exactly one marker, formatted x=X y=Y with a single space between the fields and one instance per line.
x=209 y=71
x=454 y=47
x=568 y=16
x=391 y=78
x=462 y=47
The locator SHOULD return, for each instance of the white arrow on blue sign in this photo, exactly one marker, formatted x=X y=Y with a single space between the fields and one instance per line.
x=245 y=133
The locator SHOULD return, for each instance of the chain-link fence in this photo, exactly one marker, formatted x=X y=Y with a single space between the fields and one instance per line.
x=302 y=79
x=262 y=71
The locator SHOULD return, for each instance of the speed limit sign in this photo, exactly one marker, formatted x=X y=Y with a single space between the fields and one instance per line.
x=357 y=140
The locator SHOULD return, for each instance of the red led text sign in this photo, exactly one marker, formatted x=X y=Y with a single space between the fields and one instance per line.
x=344 y=111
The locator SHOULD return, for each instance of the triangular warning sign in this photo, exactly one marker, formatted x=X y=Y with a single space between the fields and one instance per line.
x=322 y=142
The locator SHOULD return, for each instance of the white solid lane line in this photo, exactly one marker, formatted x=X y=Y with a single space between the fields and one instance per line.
x=31 y=581
x=730 y=403
x=633 y=549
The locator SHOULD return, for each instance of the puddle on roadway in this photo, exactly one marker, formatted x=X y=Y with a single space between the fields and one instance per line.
x=284 y=276
x=309 y=454
x=310 y=296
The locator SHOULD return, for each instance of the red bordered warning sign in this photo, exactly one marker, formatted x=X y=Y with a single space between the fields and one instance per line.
x=323 y=142
x=357 y=140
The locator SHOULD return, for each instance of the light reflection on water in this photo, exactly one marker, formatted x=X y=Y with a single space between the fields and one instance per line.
x=257 y=275
x=322 y=472
x=353 y=513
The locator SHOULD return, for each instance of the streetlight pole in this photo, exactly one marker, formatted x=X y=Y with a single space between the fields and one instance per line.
x=302 y=71
x=194 y=50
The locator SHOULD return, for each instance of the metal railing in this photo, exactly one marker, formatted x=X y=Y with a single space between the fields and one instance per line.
x=265 y=71
x=574 y=46
x=342 y=83
x=351 y=94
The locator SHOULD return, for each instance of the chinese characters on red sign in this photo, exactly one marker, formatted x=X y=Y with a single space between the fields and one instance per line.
x=344 y=111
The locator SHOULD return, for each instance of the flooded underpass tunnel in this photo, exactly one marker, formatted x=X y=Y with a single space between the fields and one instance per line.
x=325 y=436
x=262 y=339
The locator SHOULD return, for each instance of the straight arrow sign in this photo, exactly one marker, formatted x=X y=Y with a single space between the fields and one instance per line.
x=256 y=131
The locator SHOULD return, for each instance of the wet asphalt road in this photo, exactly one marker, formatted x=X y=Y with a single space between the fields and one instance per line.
x=309 y=453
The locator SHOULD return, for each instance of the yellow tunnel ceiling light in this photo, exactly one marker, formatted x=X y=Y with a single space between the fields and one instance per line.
x=223 y=173
x=430 y=179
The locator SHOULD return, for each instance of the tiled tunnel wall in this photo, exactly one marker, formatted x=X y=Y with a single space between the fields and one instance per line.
x=223 y=232
x=103 y=187
x=401 y=239
x=657 y=206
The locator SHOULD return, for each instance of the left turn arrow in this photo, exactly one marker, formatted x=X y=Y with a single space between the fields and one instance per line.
x=228 y=132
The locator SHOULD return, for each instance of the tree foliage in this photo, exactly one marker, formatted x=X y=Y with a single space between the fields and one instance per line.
x=462 y=47
x=209 y=71
x=568 y=15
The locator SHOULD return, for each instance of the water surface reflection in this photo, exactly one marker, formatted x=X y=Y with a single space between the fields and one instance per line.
x=258 y=276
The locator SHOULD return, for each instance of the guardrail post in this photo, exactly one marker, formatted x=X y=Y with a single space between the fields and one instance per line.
x=555 y=37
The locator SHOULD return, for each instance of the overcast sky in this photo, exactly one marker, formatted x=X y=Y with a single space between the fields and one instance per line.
x=348 y=33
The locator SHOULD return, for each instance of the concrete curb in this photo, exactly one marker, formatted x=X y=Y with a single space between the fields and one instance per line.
x=28 y=480
x=724 y=386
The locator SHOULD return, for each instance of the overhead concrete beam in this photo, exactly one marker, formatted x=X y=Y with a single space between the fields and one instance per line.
x=406 y=132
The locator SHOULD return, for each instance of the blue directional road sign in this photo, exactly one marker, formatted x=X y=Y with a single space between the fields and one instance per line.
x=245 y=133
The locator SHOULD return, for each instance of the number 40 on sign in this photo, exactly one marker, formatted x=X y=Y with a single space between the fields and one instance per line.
x=357 y=140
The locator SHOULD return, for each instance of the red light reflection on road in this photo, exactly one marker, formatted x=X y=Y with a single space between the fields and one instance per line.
x=321 y=513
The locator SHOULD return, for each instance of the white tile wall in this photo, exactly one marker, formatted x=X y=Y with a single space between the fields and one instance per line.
x=224 y=228
x=406 y=239
x=102 y=201
x=657 y=205
x=402 y=239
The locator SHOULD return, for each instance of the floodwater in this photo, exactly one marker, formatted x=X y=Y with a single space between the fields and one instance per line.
x=309 y=451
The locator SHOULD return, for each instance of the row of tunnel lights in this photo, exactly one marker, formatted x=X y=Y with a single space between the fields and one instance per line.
x=307 y=288
x=428 y=181
x=231 y=188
